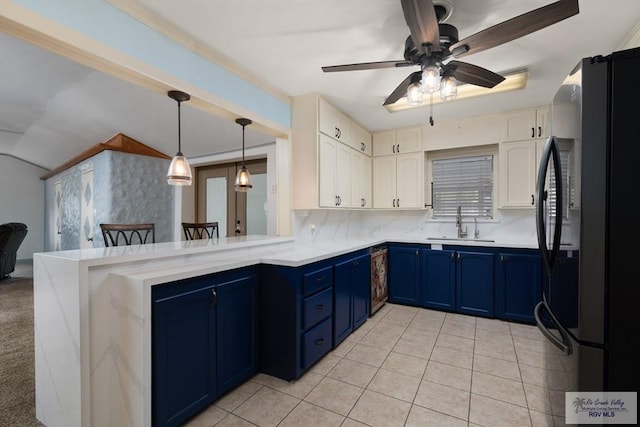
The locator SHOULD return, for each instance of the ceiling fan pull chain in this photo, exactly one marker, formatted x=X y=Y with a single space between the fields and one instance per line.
x=431 y=109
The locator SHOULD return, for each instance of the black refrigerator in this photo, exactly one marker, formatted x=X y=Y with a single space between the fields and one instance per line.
x=590 y=310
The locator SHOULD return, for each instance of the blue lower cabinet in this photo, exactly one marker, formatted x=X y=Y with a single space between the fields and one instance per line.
x=518 y=285
x=404 y=274
x=351 y=292
x=475 y=283
x=195 y=353
x=439 y=279
x=237 y=332
x=296 y=317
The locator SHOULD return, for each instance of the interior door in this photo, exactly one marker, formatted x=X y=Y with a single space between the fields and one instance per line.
x=237 y=213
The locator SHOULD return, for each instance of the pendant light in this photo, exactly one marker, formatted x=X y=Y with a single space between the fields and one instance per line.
x=179 y=172
x=243 y=178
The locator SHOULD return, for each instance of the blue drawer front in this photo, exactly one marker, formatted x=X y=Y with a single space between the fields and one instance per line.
x=317 y=307
x=317 y=280
x=316 y=343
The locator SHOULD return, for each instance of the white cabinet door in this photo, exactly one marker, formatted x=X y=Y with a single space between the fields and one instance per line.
x=384 y=182
x=360 y=180
x=327 y=151
x=517 y=174
x=409 y=140
x=527 y=124
x=332 y=122
x=409 y=180
x=384 y=143
x=542 y=123
x=343 y=175
x=520 y=125
x=360 y=138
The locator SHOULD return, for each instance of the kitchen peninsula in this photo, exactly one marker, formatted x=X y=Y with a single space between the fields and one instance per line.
x=93 y=323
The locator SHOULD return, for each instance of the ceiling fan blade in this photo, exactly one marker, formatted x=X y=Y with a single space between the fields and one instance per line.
x=423 y=23
x=472 y=74
x=401 y=90
x=514 y=28
x=367 y=66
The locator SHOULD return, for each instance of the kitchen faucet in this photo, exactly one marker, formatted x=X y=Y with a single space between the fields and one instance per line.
x=461 y=233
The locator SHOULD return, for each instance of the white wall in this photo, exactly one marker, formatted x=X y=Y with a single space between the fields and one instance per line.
x=22 y=200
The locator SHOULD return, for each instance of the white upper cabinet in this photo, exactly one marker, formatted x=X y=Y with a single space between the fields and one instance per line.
x=334 y=173
x=398 y=181
x=332 y=122
x=518 y=169
x=360 y=139
x=526 y=124
x=360 y=180
x=399 y=141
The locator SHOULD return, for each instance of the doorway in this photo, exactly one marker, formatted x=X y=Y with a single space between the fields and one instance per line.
x=237 y=214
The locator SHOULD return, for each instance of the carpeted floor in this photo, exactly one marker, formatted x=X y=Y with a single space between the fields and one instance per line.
x=17 y=377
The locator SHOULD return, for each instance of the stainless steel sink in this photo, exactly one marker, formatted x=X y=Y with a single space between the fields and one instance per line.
x=461 y=239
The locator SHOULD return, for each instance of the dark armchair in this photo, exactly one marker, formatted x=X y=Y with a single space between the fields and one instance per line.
x=11 y=236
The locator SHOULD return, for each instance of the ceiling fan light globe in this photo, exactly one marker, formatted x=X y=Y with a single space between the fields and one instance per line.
x=414 y=94
x=448 y=89
x=431 y=79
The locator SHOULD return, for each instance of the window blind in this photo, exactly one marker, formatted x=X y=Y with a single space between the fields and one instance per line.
x=565 y=162
x=466 y=182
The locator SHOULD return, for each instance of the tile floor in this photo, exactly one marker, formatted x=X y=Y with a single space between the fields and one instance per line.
x=410 y=366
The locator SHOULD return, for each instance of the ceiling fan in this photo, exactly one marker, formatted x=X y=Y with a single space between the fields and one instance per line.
x=433 y=44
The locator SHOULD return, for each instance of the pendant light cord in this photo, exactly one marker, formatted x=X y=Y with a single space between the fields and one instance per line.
x=179 y=132
x=243 y=145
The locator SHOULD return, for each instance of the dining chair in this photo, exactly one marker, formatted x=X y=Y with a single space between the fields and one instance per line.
x=200 y=230
x=128 y=234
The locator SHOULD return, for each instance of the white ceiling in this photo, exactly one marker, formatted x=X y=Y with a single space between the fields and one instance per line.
x=52 y=109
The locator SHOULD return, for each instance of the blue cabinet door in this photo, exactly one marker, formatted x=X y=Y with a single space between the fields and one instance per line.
x=237 y=333
x=404 y=275
x=361 y=290
x=439 y=284
x=475 y=283
x=342 y=301
x=351 y=296
x=519 y=286
x=184 y=346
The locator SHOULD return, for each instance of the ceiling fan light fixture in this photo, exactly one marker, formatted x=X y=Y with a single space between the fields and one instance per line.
x=431 y=79
x=448 y=88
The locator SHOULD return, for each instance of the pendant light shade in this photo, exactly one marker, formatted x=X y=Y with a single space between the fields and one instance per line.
x=243 y=178
x=179 y=172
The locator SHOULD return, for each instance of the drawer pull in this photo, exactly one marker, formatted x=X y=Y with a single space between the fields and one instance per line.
x=319 y=307
x=320 y=279
x=319 y=342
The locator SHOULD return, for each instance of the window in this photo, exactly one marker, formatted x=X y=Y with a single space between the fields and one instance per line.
x=466 y=182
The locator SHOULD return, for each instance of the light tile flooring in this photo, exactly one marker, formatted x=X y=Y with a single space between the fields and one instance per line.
x=409 y=366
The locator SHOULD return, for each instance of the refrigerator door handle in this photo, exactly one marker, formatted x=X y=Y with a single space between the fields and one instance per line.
x=563 y=344
x=551 y=151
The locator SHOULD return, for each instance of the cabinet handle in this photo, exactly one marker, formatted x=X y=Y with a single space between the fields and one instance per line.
x=363 y=202
x=502 y=258
x=453 y=256
x=319 y=342
x=398 y=150
x=214 y=297
x=89 y=239
x=339 y=200
x=394 y=203
x=393 y=149
x=533 y=132
x=539 y=131
x=319 y=307
x=336 y=200
x=533 y=200
x=59 y=232
x=319 y=279
x=398 y=203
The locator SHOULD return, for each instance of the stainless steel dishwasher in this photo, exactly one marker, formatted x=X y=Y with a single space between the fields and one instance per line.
x=379 y=289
